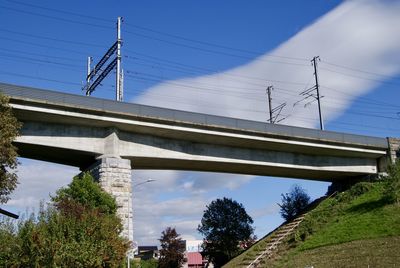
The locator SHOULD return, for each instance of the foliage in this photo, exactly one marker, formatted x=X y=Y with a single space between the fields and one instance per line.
x=152 y=263
x=69 y=234
x=393 y=183
x=9 y=129
x=225 y=225
x=83 y=190
x=293 y=203
x=172 y=249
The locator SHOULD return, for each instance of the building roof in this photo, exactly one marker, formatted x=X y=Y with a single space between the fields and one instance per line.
x=147 y=248
x=194 y=258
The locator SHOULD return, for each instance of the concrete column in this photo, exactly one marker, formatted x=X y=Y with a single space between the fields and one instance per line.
x=114 y=177
x=394 y=149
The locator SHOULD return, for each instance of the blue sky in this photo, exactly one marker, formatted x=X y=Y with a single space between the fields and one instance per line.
x=212 y=57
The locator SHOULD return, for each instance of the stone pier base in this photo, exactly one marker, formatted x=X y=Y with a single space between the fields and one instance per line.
x=114 y=177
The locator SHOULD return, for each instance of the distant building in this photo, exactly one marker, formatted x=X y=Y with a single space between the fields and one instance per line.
x=148 y=252
x=195 y=260
x=193 y=256
x=193 y=245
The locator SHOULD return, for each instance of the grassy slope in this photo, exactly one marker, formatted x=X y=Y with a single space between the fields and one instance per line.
x=378 y=252
x=357 y=228
x=350 y=230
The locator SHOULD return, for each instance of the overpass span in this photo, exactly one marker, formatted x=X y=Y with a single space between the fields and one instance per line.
x=110 y=138
x=76 y=130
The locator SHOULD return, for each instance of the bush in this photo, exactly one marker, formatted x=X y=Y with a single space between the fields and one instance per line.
x=73 y=232
x=392 y=187
x=293 y=203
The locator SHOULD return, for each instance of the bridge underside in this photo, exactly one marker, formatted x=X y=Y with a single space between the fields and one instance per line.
x=81 y=145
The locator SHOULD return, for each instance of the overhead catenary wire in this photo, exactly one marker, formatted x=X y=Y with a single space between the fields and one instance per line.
x=288 y=92
x=86 y=17
x=208 y=105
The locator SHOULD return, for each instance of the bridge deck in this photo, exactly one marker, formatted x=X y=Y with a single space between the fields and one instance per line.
x=176 y=117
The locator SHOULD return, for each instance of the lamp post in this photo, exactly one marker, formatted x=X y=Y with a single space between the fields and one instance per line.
x=129 y=201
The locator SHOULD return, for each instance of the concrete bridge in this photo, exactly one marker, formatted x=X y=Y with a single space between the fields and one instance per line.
x=110 y=138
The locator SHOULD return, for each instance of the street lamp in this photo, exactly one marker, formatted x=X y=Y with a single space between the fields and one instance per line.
x=129 y=201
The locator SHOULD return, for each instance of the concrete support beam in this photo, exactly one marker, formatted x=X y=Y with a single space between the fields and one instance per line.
x=114 y=177
x=394 y=149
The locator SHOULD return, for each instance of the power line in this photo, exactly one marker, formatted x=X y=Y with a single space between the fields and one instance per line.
x=60 y=11
x=54 y=18
x=38 y=60
x=40 y=78
x=205 y=104
x=85 y=16
x=160 y=32
x=212 y=51
x=150 y=37
x=219 y=92
x=38 y=54
x=213 y=44
x=42 y=45
x=217 y=71
x=360 y=77
x=50 y=38
x=356 y=69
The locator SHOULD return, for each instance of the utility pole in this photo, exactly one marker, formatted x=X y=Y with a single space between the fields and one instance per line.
x=269 y=88
x=99 y=73
x=118 y=84
x=314 y=63
x=274 y=118
x=309 y=93
x=89 y=63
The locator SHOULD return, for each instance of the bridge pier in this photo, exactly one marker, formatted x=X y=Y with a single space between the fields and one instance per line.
x=394 y=149
x=114 y=177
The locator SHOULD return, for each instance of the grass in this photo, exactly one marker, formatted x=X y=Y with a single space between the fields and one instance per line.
x=356 y=228
x=378 y=252
x=348 y=217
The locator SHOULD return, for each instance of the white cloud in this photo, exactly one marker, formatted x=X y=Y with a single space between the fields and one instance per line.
x=266 y=210
x=361 y=34
x=37 y=181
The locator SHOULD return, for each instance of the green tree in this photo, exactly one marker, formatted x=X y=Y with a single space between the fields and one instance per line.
x=225 y=226
x=172 y=249
x=85 y=191
x=293 y=202
x=392 y=191
x=75 y=232
x=9 y=130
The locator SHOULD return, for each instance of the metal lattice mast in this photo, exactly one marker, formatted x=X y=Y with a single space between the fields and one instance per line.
x=96 y=75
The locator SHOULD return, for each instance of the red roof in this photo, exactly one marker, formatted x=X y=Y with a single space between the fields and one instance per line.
x=194 y=258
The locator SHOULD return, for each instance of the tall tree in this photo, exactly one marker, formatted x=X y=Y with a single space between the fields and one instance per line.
x=9 y=130
x=172 y=249
x=225 y=226
x=293 y=202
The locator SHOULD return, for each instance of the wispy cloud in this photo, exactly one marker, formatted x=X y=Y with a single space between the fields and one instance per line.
x=361 y=34
x=37 y=181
